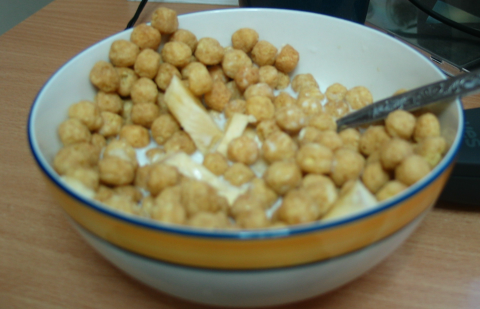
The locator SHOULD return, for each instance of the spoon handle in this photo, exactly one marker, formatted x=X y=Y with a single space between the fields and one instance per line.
x=461 y=85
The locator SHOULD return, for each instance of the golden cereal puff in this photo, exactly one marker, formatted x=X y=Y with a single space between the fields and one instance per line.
x=260 y=107
x=400 y=124
x=218 y=97
x=432 y=149
x=163 y=128
x=128 y=77
x=287 y=59
x=358 y=97
x=347 y=165
x=198 y=196
x=145 y=36
x=266 y=127
x=104 y=76
x=259 y=89
x=162 y=105
x=144 y=114
x=147 y=63
x=238 y=106
x=412 y=169
x=116 y=172
x=123 y=53
x=315 y=158
x=298 y=207
x=330 y=139
x=98 y=141
x=236 y=93
x=73 y=131
x=169 y=212
x=393 y=152
x=75 y=155
x=245 y=39
x=180 y=142
x=89 y=177
x=177 y=54
x=166 y=71
x=268 y=74
x=374 y=177
x=233 y=60
x=141 y=176
x=209 y=51
x=323 y=122
x=143 y=91
x=372 y=139
x=165 y=20
x=185 y=36
x=322 y=189
x=216 y=163
x=245 y=203
x=127 y=112
x=135 y=135
x=238 y=174
x=291 y=118
x=217 y=74
x=336 y=92
x=390 y=189
x=254 y=219
x=160 y=177
x=283 y=81
x=88 y=113
x=283 y=176
x=199 y=80
x=427 y=125
x=303 y=80
x=120 y=148
x=264 y=53
x=336 y=109
x=246 y=76
x=310 y=100
x=283 y=99
x=309 y=135
x=129 y=192
x=109 y=102
x=278 y=146
x=243 y=149
x=350 y=138
x=263 y=193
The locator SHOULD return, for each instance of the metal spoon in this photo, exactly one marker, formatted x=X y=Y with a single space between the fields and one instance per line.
x=458 y=86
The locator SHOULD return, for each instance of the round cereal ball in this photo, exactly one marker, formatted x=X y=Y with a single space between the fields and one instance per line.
x=128 y=77
x=427 y=125
x=243 y=149
x=144 y=90
x=372 y=139
x=287 y=59
x=98 y=141
x=233 y=60
x=166 y=71
x=145 y=36
x=115 y=171
x=283 y=99
x=129 y=192
x=303 y=80
x=262 y=193
x=216 y=163
x=236 y=93
x=238 y=174
x=163 y=128
x=350 y=138
x=283 y=81
x=123 y=53
x=393 y=152
x=162 y=105
x=246 y=76
x=266 y=127
x=432 y=149
x=180 y=142
x=127 y=112
x=120 y=148
x=75 y=155
x=309 y=135
x=144 y=114
x=198 y=196
x=347 y=165
x=73 y=131
x=291 y=118
x=264 y=53
x=89 y=177
x=141 y=176
x=218 y=97
x=310 y=100
x=412 y=169
x=268 y=74
x=185 y=36
x=199 y=80
x=260 y=107
x=374 y=177
x=253 y=219
x=336 y=92
x=323 y=122
x=400 y=124
x=259 y=90
x=109 y=102
x=245 y=39
x=298 y=207
x=279 y=146
x=314 y=158
x=322 y=189
x=209 y=51
x=358 y=97
x=165 y=20
x=104 y=76
x=217 y=74
x=330 y=139
x=238 y=106
x=111 y=124
x=177 y=54
x=160 y=177
x=88 y=113
x=135 y=135
x=171 y=212
x=147 y=63
x=390 y=189
x=283 y=176
x=336 y=109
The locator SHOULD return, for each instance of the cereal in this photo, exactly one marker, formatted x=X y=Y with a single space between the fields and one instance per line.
x=393 y=152
x=88 y=113
x=268 y=74
x=246 y=75
x=390 y=189
x=146 y=36
x=291 y=118
x=127 y=78
x=303 y=80
x=298 y=207
x=283 y=99
x=260 y=107
x=432 y=148
x=259 y=90
x=209 y=51
x=427 y=125
x=347 y=165
x=116 y=171
x=336 y=92
x=245 y=39
x=165 y=20
x=350 y=138
x=161 y=176
x=216 y=163
x=218 y=97
x=243 y=149
x=104 y=76
x=144 y=114
x=358 y=97
x=73 y=131
x=315 y=158
x=123 y=53
x=264 y=53
x=322 y=189
x=373 y=139
x=374 y=177
x=400 y=123
x=233 y=60
x=199 y=80
x=323 y=122
x=147 y=63
x=180 y=142
x=185 y=36
x=135 y=135
x=177 y=54
x=144 y=91
x=412 y=169
x=279 y=146
x=330 y=139
x=266 y=127
x=164 y=75
x=109 y=102
x=287 y=59
x=238 y=106
x=283 y=176
x=163 y=128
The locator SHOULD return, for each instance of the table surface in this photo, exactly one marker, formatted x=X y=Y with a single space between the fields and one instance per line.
x=45 y=264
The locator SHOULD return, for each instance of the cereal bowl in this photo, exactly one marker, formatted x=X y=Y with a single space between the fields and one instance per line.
x=256 y=267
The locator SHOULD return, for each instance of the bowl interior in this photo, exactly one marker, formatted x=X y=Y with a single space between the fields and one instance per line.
x=332 y=50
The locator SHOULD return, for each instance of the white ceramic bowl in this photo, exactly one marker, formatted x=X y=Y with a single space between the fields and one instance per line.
x=268 y=267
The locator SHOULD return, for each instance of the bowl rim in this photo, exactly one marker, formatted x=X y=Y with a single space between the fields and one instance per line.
x=236 y=234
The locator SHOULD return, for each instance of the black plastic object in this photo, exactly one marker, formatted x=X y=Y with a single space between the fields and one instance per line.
x=464 y=183
x=353 y=10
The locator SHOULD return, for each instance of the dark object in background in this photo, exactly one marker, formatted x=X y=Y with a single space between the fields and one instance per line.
x=463 y=185
x=353 y=10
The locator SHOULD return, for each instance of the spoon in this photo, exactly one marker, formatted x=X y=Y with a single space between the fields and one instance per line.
x=462 y=85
